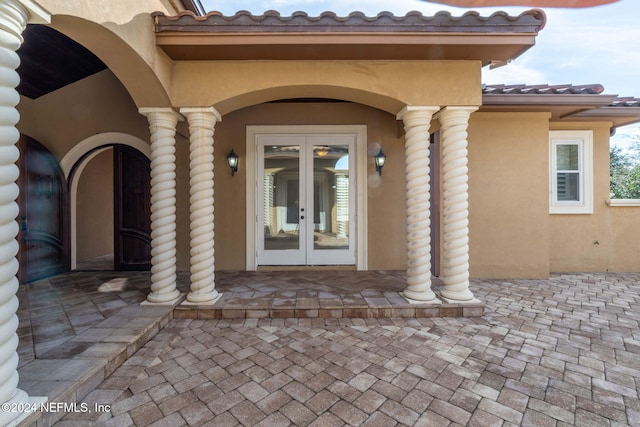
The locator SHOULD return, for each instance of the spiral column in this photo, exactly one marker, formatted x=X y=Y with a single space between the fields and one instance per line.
x=162 y=124
x=201 y=127
x=13 y=20
x=417 y=121
x=455 y=268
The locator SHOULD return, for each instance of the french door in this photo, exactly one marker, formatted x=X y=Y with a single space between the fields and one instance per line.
x=306 y=206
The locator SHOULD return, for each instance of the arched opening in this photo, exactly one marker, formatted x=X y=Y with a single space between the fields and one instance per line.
x=109 y=215
x=331 y=191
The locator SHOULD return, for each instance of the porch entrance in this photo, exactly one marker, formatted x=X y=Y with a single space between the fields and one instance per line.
x=305 y=203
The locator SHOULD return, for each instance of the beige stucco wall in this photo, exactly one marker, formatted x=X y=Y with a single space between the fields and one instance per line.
x=386 y=199
x=96 y=104
x=608 y=239
x=94 y=224
x=386 y=85
x=624 y=229
x=508 y=195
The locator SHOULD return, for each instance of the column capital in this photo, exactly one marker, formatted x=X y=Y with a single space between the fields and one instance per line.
x=187 y=110
x=149 y=111
x=432 y=109
x=36 y=13
x=450 y=111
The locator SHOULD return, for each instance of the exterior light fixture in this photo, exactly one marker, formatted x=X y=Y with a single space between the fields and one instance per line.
x=380 y=159
x=232 y=161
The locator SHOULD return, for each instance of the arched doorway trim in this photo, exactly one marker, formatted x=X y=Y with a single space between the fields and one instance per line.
x=76 y=160
x=356 y=95
x=101 y=140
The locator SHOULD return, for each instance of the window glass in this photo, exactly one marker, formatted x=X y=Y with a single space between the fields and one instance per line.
x=568 y=187
x=568 y=156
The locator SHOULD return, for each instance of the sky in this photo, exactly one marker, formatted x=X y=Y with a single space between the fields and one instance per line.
x=577 y=46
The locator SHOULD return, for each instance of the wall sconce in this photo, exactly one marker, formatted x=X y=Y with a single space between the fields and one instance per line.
x=380 y=159
x=232 y=161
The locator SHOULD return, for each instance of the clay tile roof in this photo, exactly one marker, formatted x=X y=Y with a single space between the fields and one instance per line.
x=521 y=89
x=626 y=101
x=593 y=89
x=531 y=21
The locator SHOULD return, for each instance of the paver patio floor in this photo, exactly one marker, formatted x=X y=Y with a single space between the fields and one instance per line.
x=557 y=352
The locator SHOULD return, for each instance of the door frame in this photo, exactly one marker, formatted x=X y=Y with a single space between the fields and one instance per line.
x=360 y=173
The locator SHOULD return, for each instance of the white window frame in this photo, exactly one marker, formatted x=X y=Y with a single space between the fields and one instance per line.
x=584 y=140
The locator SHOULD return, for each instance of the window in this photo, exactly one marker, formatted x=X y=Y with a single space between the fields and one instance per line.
x=571 y=172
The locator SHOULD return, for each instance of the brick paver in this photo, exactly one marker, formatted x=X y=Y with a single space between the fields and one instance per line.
x=564 y=351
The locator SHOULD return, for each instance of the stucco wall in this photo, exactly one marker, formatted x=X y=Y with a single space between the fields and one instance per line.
x=95 y=208
x=387 y=85
x=96 y=104
x=508 y=195
x=625 y=237
x=608 y=239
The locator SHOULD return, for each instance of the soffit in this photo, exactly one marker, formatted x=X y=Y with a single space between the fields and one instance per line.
x=495 y=40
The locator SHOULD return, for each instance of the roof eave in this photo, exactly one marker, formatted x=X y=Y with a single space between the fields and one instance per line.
x=549 y=99
x=496 y=39
x=487 y=48
x=619 y=116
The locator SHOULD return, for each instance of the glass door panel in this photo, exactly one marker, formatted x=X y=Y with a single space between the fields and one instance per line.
x=306 y=211
x=331 y=197
x=281 y=242
x=330 y=240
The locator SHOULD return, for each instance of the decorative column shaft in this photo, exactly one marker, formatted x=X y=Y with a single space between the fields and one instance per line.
x=417 y=121
x=201 y=127
x=13 y=20
x=162 y=124
x=455 y=268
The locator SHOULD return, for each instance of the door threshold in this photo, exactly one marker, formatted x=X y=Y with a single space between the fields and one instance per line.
x=306 y=267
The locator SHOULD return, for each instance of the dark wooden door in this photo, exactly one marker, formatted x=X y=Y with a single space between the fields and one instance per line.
x=43 y=205
x=132 y=205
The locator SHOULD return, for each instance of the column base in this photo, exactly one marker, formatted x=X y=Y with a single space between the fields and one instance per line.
x=203 y=303
x=418 y=298
x=458 y=301
x=31 y=402
x=170 y=302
